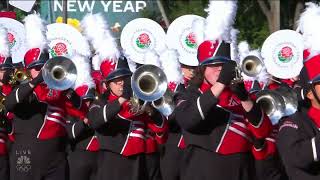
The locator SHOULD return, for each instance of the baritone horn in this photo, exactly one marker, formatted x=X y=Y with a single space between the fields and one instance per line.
x=252 y=66
x=165 y=104
x=149 y=83
x=278 y=103
x=59 y=73
x=2 y=99
x=20 y=76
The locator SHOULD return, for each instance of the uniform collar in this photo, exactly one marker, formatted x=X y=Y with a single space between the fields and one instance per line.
x=112 y=97
x=314 y=114
x=204 y=87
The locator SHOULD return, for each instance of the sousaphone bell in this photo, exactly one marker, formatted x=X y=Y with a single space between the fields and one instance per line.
x=59 y=73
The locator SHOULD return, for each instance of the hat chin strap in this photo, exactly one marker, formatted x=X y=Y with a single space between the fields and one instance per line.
x=313 y=90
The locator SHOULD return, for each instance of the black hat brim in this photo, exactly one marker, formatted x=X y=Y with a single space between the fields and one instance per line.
x=215 y=60
x=36 y=64
x=6 y=66
x=118 y=73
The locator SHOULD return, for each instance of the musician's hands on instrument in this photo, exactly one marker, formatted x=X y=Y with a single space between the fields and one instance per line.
x=238 y=88
x=36 y=80
x=228 y=72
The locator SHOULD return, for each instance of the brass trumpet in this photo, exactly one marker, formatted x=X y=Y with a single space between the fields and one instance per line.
x=20 y=76
x=2 y=99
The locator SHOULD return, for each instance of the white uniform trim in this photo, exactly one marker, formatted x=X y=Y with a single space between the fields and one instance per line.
x=73 y=134
x=17 y=96
x=239 y=133
x=199 y=108
x=104 y=114
x=314 y=149
x=56 y=120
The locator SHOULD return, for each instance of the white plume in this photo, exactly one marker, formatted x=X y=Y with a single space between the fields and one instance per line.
x=97 y=31
x=132 y=65
x=151 y=57
x=198 y=29
x=221 y=17
x=171 y=66
x=95 y=61
x=243 y=49
x=35 y=32
x=308 y=25
x=83 y=72
x=4 y=43
x=234 y=44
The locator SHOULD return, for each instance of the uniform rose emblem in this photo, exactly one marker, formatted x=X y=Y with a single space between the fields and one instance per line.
x=285 y=54
x=143 y=41
x=59 y=49
x=191 y=40
x=12 y=40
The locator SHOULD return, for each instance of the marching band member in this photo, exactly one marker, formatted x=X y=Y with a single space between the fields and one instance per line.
x=6 y=70
x=84 y=145
x=298 y=136
x=172 y=155
x=155 y=134
x=218 y=121
x=38 y=151
x=121 y=134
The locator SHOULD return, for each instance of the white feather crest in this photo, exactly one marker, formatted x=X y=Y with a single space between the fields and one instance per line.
x=198 y=29
x=83 y=72
x=221 y=16
x=309 y=24
x=234 y=44
x=35 y=31
x=243 y=50
x=171 y=66
x=95 y=61
x=151 y=57
x=97 y=31
x=4 y=43
x=132 y=65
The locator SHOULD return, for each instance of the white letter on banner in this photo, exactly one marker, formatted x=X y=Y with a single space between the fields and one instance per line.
x=85 y=6
x=117 y=4
x=71 y=7
x=56 y=5
x=140 y=5
x=106 y=5
x=128 y=7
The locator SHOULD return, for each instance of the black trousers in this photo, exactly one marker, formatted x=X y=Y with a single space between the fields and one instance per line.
x=83 y=165
x=170 y=162
x=114 y=166
x=200 y=164
x=31 y=159
x=4 y=168
x=153 y=166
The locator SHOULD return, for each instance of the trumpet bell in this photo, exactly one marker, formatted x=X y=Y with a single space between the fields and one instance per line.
x=252 y=66
x=165 y=104
x=59 y=73
x=272 y=103
x=149 y=83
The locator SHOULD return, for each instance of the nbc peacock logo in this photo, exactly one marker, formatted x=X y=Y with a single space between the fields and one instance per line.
x=12 y=40
x=143 y=41
x=190 y=41
x=285 y=54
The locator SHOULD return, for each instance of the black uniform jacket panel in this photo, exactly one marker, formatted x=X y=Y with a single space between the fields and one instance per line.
x=79 y=133
x=203 y=123
x=29 y=112
x=111 y=130
x=299 y=146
